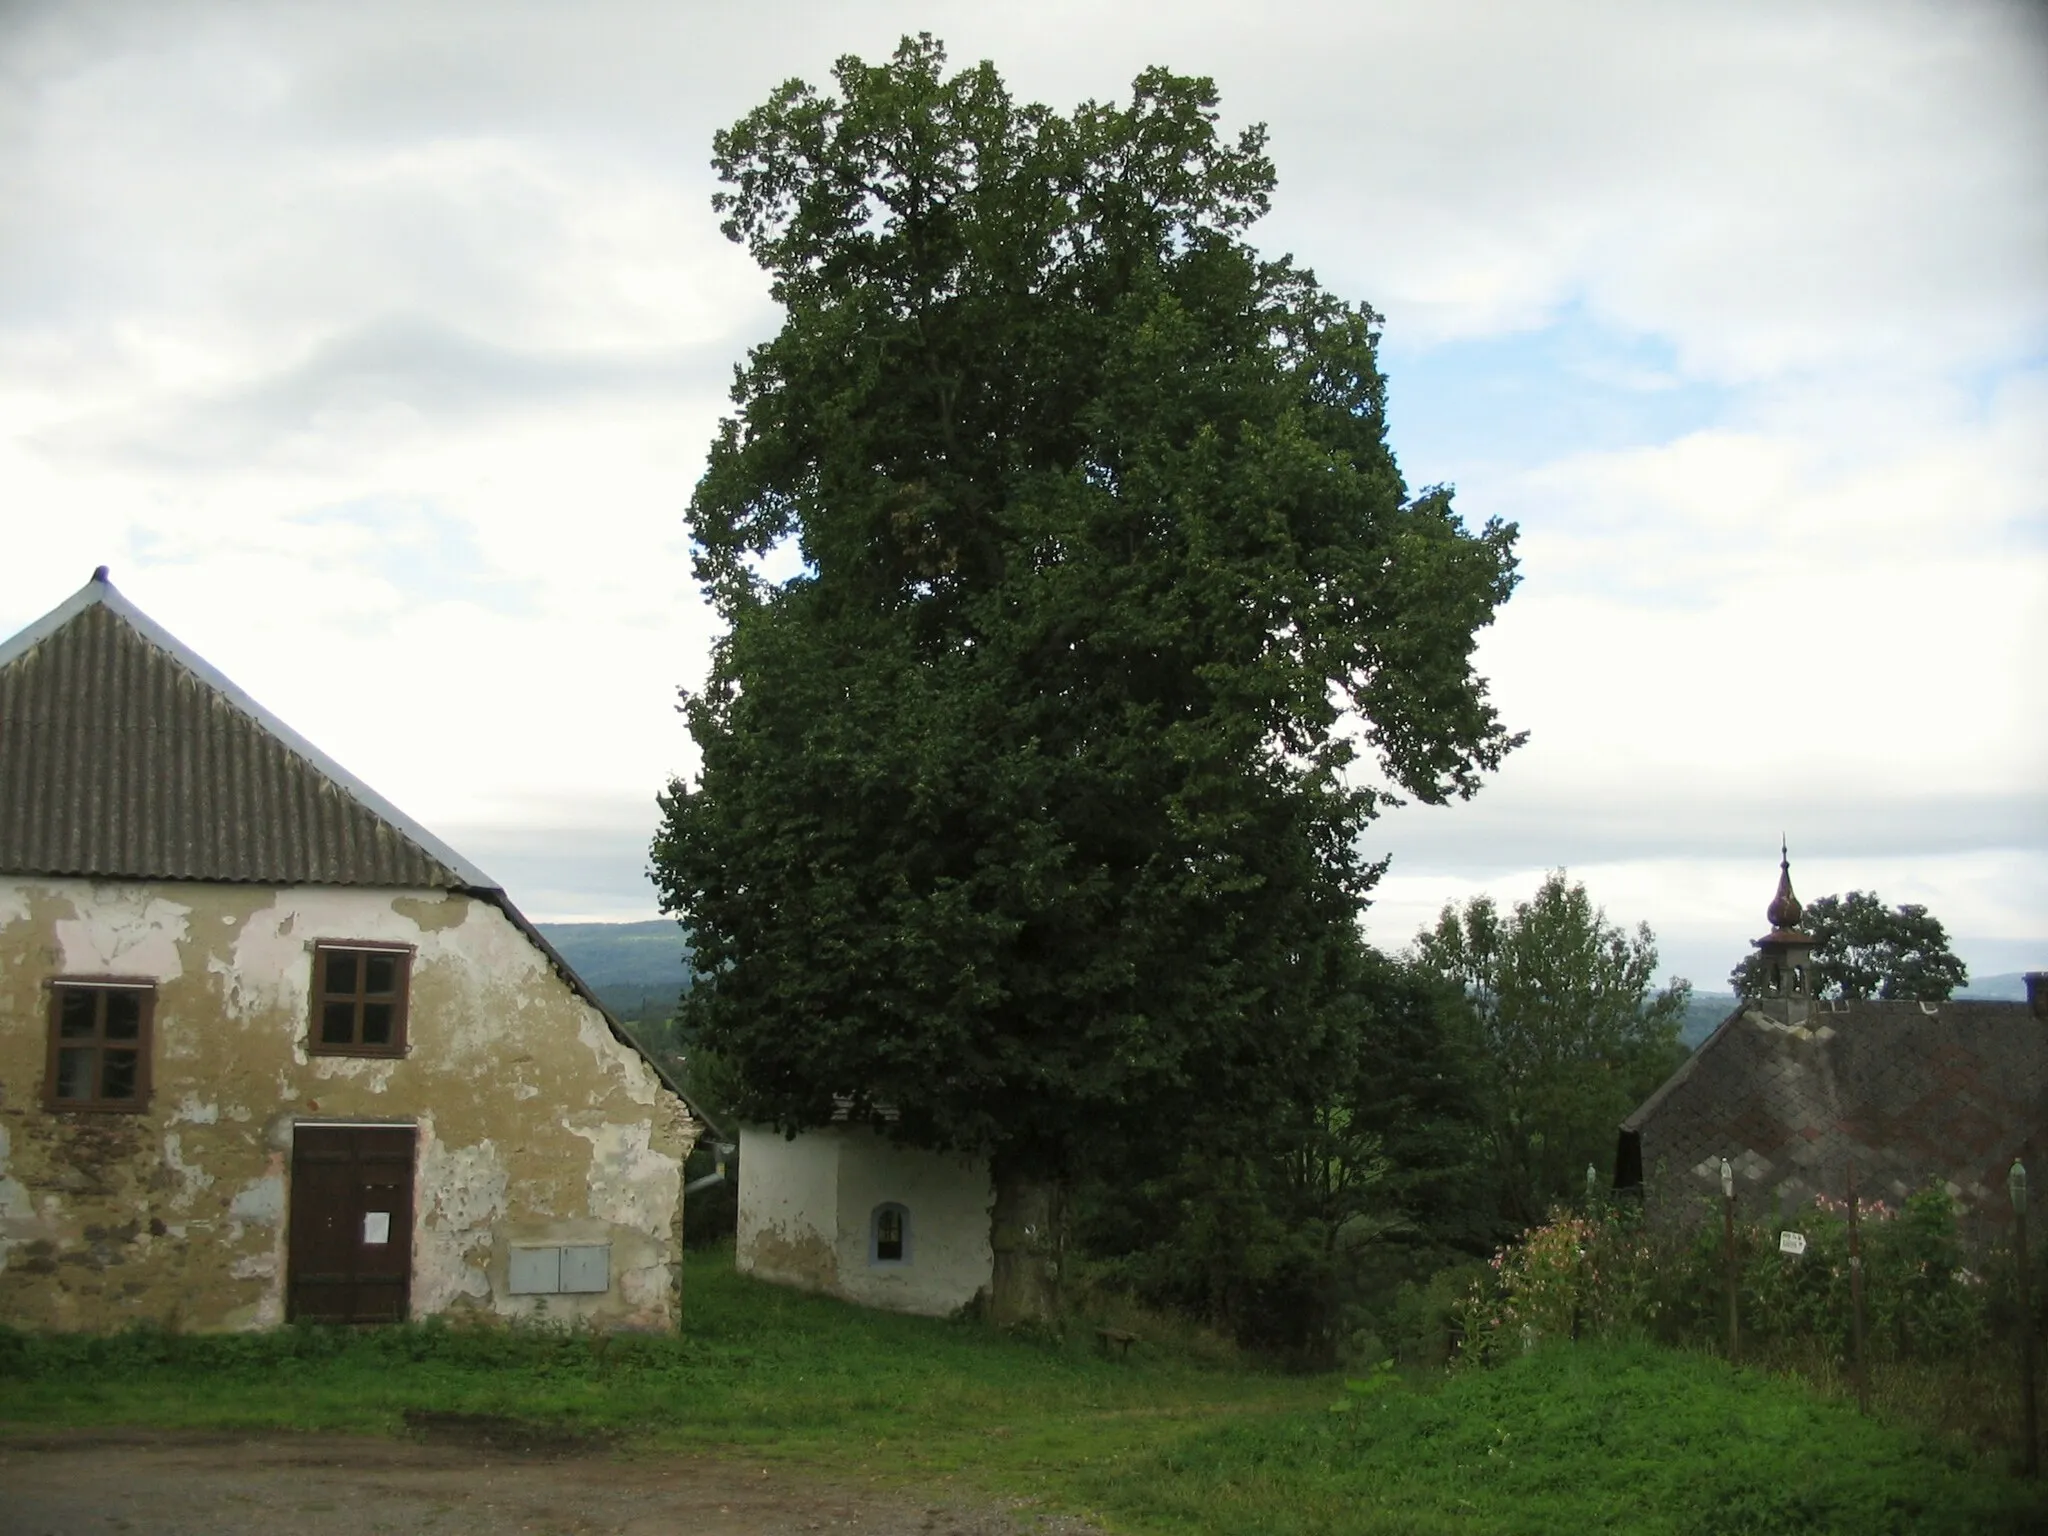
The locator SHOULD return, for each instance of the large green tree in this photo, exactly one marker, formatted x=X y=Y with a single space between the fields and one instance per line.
x=1573 y=1032
x=1863 y=948
x=1023 y=809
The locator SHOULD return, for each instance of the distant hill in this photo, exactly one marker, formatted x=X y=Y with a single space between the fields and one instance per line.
x=1703 y=1012
x=637 y=969
x=2008 y=988
x=1707 y=1009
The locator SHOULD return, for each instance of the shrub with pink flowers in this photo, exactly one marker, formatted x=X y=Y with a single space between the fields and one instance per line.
x=1535 y=1290
x=1572 y=1275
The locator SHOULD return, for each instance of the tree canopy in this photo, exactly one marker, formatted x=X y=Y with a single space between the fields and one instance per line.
x=1024 y=808
x=1572 y=1034
x=1865 y=949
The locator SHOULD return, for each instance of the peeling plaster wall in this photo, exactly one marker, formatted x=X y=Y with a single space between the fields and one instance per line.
x=805 y=1207
x=535 y=1124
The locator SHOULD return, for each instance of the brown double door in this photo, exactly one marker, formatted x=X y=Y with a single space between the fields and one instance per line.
x=351 y=1224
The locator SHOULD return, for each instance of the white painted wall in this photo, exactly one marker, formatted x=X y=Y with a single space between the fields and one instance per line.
x=805 y=1207
x=948 y=1197
x=787 y=1205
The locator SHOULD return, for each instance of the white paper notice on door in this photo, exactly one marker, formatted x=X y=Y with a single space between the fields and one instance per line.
x=376 y=1226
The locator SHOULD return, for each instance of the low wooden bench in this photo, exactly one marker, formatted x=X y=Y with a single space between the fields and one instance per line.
x=1114 y=1341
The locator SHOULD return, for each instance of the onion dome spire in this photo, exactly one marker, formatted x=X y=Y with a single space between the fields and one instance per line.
x=1784 y=910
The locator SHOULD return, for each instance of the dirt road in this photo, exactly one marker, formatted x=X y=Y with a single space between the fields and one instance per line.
x=446 y=1479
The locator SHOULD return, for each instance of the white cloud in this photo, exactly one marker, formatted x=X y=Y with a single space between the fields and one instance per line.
x=1742 y=632
x=1800 y=597
x=384 y=341
x=1773 y=189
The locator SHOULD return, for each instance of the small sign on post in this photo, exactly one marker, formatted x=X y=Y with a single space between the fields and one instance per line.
x=1793 y=1243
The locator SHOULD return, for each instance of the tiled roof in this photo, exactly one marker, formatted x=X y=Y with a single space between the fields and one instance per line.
x=1911 y=1093
x=124 y=755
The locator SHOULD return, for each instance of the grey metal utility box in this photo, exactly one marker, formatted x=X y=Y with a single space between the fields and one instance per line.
x=578 y=1269
x=587 y=1268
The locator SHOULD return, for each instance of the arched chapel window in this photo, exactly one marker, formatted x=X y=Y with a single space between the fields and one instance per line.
x=889 y=1234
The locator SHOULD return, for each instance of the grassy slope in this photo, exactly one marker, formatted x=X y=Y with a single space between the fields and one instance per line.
x=1577 y=1440
x=1585 y=1440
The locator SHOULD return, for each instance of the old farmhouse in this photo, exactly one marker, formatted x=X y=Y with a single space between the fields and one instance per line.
x=1797 y=1092
x=269 y=1050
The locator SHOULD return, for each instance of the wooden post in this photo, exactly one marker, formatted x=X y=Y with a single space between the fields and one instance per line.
x=1856 y=1297
x=2016 y=1185
x=1594 y=1213
x=1728 y=1253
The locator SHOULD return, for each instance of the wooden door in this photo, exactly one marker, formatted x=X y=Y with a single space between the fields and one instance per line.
x=351 y=1224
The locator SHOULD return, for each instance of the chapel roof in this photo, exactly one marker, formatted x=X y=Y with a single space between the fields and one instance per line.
x=1908 y=1092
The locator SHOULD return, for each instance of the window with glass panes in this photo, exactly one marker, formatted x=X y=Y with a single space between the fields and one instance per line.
x=99 y=1045
x=359 y=999
x=889 y=1234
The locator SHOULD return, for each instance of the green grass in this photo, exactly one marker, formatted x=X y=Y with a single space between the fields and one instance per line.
x=1574 y=1440
x=1587 y=1440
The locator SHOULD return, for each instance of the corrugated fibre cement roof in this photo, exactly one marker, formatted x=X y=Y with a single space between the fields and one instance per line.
x=125 y=755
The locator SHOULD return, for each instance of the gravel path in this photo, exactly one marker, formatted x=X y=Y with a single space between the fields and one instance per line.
x=451 y=1477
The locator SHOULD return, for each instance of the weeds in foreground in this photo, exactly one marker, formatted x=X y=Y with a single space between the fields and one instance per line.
x=1573 y=1440
x=753 y=1365
x=1589 y=1439
x=1941 y=1319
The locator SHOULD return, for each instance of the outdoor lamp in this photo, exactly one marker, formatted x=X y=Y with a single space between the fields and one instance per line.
x=1727 y=1180
x=2016 y=1186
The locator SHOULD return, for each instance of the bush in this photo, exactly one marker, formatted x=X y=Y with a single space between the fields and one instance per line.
x=1922 y=1299
x=1939 y=1319
x=1428 y=1321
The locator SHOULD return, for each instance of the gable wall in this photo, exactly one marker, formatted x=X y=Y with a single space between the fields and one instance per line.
x=805 y=1205
x=534 y=1123
x=948 y=1197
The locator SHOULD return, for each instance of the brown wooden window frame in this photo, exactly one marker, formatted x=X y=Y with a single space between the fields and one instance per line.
x=143 y=990
x=359 y=997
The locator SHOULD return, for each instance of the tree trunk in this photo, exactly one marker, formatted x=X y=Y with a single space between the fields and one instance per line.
x=1024 y=1231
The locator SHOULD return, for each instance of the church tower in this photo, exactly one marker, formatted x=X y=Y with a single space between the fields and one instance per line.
x=1786 y=952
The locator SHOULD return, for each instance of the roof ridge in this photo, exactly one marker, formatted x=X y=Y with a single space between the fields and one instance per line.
x=101 y=592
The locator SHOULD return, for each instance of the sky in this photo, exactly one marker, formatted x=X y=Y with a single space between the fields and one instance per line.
x=376 y=347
